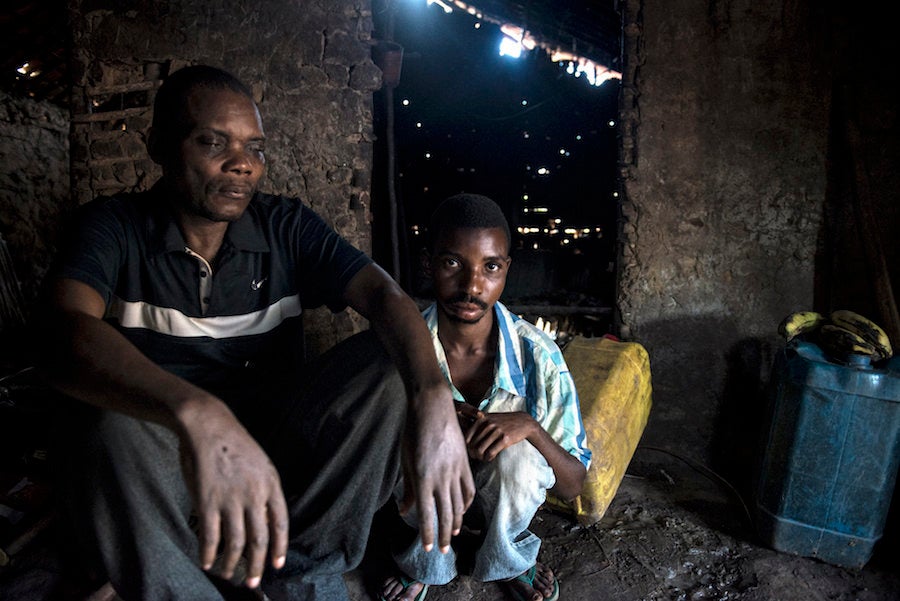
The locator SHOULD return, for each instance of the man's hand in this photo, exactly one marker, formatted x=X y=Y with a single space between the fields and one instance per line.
x=489 y=433
x=437 y=476
x=237 y=494
x=436 y=472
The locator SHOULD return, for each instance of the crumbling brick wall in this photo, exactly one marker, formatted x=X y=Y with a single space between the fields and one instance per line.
x=34 y=185
x=308 y=63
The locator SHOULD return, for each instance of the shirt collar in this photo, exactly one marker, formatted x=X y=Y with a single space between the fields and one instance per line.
x=508 y=372
x=245 y=234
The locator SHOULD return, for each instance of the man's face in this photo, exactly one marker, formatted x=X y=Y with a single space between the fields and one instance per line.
x=468 y=270
x=217 y=167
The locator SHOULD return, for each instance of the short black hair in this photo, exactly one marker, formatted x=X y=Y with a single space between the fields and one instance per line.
x=171 y=122
x=467 y=211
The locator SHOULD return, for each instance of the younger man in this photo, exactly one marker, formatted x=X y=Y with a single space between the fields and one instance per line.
x=516 y=403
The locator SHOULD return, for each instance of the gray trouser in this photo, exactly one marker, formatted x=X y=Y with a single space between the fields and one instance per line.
x=126 y=505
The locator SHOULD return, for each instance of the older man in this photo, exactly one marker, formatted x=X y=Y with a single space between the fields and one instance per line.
x=177 y=318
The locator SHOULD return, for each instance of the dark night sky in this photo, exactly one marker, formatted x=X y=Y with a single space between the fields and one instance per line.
x=469 y=102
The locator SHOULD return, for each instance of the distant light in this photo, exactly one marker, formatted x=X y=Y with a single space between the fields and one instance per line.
x=586 y=230
x=570 y=69
x=615 y=194
x=565 y=241
x=427 y=155
x=405 y=102
x=419 y=124
x=23 y=69
x=562 y=151
x=525 y=210
x=557 y=221
x=570 y=231
x=543 y=171
x=510 y=47
x=478 y=25
x=524 y=103
x=541 y=210
x=568 y=153
x=526 y=135
x=611 y=123
x=578 y=137
x=524 y=197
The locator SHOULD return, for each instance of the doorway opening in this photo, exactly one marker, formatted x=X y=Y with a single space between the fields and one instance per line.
x=538 y=136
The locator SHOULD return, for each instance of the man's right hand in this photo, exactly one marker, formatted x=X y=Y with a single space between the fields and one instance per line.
x=236 y=489
x=237 y=493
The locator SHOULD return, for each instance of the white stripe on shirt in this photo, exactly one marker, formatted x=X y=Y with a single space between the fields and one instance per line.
x=138 y=314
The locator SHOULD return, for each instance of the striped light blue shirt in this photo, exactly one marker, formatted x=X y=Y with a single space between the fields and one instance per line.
x=530 y=375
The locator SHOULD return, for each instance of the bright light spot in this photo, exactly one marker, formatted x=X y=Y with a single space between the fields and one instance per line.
x=524 y=197
x=586 y=230
x=478 y=25
x=567 y=153
x=520 y=229
x=419 y=124
x=611 y=123
x=598 y=229
x=570 y=69
x=566 y=241
x=554 y=231
x=615 y=194
x=562 y=151
x=535 y=246
x=524 y=103
x=427 y=155
x=546 y=230
x=557 y=221
x=570 y=231
x=543 y=171
x=526 y=135
x=405 y=102
x=23 y=69
x=541 y=210
x=510 y=47
x=525 y=210
x=471 y=10
x=578 y=137
x=447 y=8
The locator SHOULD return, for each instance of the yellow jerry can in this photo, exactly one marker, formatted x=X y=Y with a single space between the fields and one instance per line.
x=613 y=383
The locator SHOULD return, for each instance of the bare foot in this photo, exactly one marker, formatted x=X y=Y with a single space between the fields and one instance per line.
x=542 y=587
x=394 y=589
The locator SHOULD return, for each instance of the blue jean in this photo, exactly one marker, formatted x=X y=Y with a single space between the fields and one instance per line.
x=509 y=491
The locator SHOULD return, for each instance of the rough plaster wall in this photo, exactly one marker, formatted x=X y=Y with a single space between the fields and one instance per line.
x=308 y=63
x=34 y=184
x=725 y=111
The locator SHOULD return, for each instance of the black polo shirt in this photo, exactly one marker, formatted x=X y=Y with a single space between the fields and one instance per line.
x=232 y=327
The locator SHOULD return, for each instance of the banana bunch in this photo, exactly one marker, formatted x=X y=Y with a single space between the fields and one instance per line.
x=844 y=335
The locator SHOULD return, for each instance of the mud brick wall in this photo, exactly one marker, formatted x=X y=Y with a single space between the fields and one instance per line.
x=734 y=155
x=34 y=185
x=308 y=63
x=725 y=125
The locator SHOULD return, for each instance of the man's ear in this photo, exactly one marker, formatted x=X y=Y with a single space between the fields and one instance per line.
x=154 y=146
x=425 y=261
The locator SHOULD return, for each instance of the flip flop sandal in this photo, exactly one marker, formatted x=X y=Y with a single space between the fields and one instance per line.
x=528 y=578
x=407 y=582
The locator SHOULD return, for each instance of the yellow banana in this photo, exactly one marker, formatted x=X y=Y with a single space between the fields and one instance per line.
x=865 y=328
x=800 y=322
x=841 y=343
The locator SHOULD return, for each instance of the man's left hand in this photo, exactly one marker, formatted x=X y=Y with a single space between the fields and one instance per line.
x=436 y=472
x=489 y=433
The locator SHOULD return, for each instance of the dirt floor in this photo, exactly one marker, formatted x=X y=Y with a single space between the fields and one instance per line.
x=673 y=532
